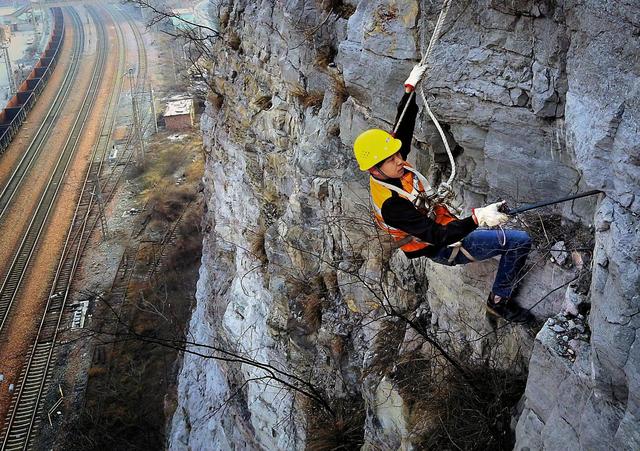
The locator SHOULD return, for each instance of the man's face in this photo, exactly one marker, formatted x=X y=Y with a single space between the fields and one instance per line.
x=393 y=166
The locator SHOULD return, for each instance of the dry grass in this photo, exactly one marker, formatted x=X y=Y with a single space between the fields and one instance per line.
x=215 y=99
x=263 y=102
x=233 y=40
x=162 y=170
x=224 y=19
x=255 y=242
x=306 y=98
x=324 y=56
x=340 y=89
x=388 y=338
x=449 y=410
x=311 y=307
x=339 y=7
x=96 y=371
x=344 y=431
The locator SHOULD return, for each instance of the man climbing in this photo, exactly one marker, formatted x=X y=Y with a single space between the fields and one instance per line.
x=397 y=193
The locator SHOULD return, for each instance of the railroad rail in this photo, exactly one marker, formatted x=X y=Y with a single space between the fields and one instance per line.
x=37 y=374
x=110 y=183
x=14 y=276
x=44 y=131
x=23 y=416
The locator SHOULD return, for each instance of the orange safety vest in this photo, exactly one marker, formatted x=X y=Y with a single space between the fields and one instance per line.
x=412 y=186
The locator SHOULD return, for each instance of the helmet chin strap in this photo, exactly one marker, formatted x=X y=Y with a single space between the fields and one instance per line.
x=382 y=172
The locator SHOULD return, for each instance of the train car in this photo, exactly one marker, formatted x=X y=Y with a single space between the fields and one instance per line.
x=15 y=112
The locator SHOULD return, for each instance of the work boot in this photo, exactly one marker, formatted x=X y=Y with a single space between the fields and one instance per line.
x=507 y=309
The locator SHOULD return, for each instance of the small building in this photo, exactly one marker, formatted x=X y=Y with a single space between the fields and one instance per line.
x=179 y=115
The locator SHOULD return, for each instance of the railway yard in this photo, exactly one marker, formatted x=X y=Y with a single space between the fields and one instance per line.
x=82 y=221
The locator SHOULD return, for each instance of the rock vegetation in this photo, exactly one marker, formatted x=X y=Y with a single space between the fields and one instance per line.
x=539 y=99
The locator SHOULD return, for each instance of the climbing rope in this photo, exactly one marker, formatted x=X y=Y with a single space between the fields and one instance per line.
x=445 y=187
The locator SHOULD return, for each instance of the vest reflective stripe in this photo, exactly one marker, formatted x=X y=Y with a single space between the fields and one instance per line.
x=413 y=183
x=419 y=184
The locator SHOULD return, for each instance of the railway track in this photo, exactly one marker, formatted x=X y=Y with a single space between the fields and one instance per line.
x=23 y=416
x=44 y=131
x=26 y=409
x=14 y=276
x=110 y=183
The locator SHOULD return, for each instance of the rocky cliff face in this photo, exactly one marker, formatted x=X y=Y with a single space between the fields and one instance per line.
x=539 y=99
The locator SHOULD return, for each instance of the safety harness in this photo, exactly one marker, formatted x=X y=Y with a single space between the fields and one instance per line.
x=423 y=197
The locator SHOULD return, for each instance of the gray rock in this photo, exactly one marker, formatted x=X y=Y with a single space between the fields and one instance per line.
x=519 y=97
x=559 y=253
x=572 y=301
x=545 y=99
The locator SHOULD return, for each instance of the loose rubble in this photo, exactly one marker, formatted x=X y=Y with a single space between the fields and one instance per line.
x=568 y=330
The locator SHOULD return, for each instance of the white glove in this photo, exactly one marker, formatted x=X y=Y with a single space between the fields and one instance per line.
x=415 y=76
x=489 y=216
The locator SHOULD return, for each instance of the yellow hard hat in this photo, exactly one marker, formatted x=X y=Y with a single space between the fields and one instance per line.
x=373 y=146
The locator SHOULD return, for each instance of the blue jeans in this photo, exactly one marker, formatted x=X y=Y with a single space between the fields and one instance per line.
x=483 y=244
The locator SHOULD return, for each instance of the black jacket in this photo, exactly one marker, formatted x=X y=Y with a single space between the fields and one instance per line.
x=400 y=213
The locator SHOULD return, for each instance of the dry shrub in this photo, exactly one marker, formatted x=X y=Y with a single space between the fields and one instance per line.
x=191 y=220
x=186 y=253
x=311 y=307
x=95 y=371
x=450 y=409
x=548 y=229
x=324 y=56
x=136 y=170
x=234 y=40
x=145 y=325
x=340 y=88
x=263 y=102
x=125 y=404
x=255 y=240
x=343 y=431
x=339 y=7
x=215 y=99
x=169 y=205
x=306 y=98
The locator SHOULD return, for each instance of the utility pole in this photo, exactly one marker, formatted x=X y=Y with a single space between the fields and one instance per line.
x=7 y=60
x=136 y=121
x=173 y=63
x=97 y=192
x=153 y=108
